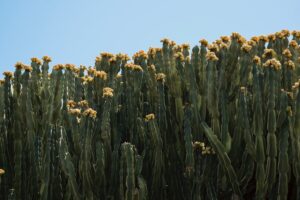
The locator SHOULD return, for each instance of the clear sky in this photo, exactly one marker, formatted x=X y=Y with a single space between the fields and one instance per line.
x=76 y=31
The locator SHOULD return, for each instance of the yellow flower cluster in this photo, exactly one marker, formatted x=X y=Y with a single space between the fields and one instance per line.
x=296 y=34
x=46 y=59
x=225 y=39
x=58 y=67
x=246 y=48
x=273 y=63
x=149 y=117
x=89 y=112
x=256 y=60
x=203 y=42
x=36 y=60
x=293 y=44
x=213 y=47
x=83 y=104
x=160 y=77
x=100 y=74
x=269 y=52
x=71 y=104
x=211 y=56
x=134 y=67
x=74 y=111
x=185 y=46
x=106 y=55
x=8 y=74
x=179 y=56
x=287 y=53
x=204 y=149
x=152 y=68
x=19 y=65
x=290 y=65
x=108 y=92
x=140 y=54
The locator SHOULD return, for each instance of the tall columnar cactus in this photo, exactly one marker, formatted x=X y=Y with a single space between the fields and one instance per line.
x=213 y=121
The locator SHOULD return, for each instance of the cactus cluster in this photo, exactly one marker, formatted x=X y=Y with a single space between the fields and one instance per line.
x=218 y=121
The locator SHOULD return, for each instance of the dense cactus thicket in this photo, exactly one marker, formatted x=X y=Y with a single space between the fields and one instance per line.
x=218 y=121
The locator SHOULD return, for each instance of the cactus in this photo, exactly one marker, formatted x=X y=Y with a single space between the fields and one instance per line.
x=213 y=121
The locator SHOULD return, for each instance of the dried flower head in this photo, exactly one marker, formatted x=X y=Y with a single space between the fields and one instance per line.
x=151 y=68
x=58 y=67
x=123 y=57
x=271 y=37
x=246 y=48
x=279 y=35
x=285 y=33
x=179 y=56
x=106 y=55
x=140 y=54
x=8 y=74
x=172 y=43
x=255 y=39
x=218 y=42
x=296 y=34
x=71 y=104
x=263 y=38
x=131 y=66
x=287 y=53
x=225 y=39
x=36 y=60
x=46 y=59
x=256 y=60
x=108 y=92
x=293 y=44
x=160 y=77
x=89 y=112
x=165 y=41
x=83 y=103
x=290 y=65
x=203 y=42
x=91 y=71
x=241 y=40
x=235 y=35
x=213 y=47
x=27 y=68
x=251 y=43
x=82 y=67
x=211 y=56
x=98 y=59
x=272 y=63
x=243 y=89
x=70 y=67
x=19 y=65
x=118 y=76
x=295 y=86
x=149 y=117
x=2 y=81
x=185 y=46
x=269 y=53
x=198 y=145
x=151 y=51
x=224 y=46
x=89 y=79
x=74 y=111
x=100 y=74
x=112 y=60
x=177 y=48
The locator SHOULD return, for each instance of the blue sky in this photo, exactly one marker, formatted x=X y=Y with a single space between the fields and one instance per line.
x=76 y=31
